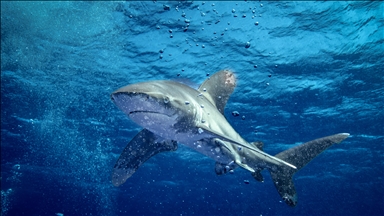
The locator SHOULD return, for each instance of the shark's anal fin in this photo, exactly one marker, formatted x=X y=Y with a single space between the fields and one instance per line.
x=219 y=88
x=142 y=147
x=300 y=156
x=257 y=175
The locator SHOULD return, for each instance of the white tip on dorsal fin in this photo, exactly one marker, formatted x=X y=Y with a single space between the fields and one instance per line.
x=219 y=88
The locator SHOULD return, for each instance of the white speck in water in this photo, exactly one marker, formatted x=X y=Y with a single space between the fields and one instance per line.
x=217 y=149
x=200 y=130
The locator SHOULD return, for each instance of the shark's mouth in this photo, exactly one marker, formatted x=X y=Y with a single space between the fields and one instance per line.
x=146 y=112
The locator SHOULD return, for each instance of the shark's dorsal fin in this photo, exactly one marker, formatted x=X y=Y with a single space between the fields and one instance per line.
x=219 y=88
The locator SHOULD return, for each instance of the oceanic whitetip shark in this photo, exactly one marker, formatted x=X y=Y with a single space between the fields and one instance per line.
x=171 y=113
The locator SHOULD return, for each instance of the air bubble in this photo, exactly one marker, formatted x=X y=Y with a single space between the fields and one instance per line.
x=186 y=102
x=247 y=45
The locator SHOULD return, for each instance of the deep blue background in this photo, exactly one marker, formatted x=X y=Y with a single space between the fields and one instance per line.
x=61 y=134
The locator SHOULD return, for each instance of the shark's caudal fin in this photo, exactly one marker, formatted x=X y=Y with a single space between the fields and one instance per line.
x=142 y=147
x=299 y=156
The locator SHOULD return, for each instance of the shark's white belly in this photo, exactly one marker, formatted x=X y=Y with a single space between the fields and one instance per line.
x=209 y=149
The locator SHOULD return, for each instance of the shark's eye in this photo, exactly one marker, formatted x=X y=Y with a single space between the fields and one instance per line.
x=166 y=99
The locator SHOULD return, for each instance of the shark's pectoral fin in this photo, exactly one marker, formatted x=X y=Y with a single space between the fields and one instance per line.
x=142 y=147
x=300 y=155
x=204 y=129
x=245 y=166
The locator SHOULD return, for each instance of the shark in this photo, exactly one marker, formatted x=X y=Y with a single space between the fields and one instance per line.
x=172 y=113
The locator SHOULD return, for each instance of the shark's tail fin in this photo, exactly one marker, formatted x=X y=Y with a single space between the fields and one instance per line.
x=299 y=156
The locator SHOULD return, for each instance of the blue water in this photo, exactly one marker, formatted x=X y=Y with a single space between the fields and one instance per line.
x=312 y=69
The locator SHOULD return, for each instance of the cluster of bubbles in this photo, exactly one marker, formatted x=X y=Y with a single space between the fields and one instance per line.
x=5 y=201
x=5 y=194
x=187 y=21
